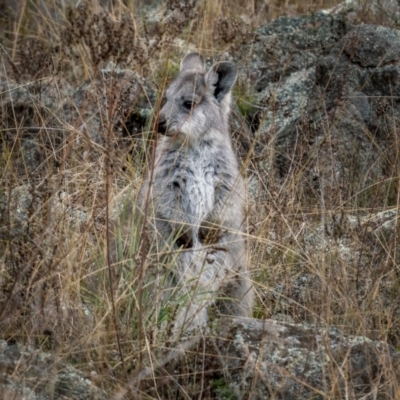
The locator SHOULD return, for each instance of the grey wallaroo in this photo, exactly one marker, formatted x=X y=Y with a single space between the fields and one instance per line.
x=194 y=198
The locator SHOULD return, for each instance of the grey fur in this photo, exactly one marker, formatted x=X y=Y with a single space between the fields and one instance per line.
x=197 y=198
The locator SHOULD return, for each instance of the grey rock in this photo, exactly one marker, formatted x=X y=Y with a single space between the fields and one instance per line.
x=285 y=104
x=333 y=114
x=32 y=374
x=371 y=46
x=266 y=359
x=386 y=10
x=291 y=44
x=39 y=118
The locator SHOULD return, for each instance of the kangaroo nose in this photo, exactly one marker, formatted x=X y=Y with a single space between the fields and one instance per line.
x=162 y=125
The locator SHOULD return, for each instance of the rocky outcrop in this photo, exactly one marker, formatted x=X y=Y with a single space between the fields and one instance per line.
x=332 y=105
x=255 y=359
x=39 y=118
x=265 y=359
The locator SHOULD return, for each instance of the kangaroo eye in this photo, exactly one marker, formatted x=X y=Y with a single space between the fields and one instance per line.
x=188 y=104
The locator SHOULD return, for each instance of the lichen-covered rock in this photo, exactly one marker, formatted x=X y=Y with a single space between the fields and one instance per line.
x=265 y=359
x=40 y=118
x=32 y=374
x=332 y=119
x=290 y=44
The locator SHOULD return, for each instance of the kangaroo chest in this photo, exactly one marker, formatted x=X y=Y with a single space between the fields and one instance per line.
x=191 y=180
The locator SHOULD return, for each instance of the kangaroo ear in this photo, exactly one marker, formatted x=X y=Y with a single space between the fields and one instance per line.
x=193 y=61
x=220 y=78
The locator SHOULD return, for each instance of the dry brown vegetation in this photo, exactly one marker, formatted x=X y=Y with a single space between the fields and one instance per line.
x=70 y=159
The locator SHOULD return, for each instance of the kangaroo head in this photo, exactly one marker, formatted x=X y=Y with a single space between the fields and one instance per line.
x=198 y=100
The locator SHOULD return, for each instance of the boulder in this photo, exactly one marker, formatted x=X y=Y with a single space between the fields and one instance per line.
x=266 y=359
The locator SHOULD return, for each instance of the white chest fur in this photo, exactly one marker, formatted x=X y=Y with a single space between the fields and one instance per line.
x=189 y=177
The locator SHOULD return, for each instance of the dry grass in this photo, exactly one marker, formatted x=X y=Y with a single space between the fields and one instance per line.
x=67 y=163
